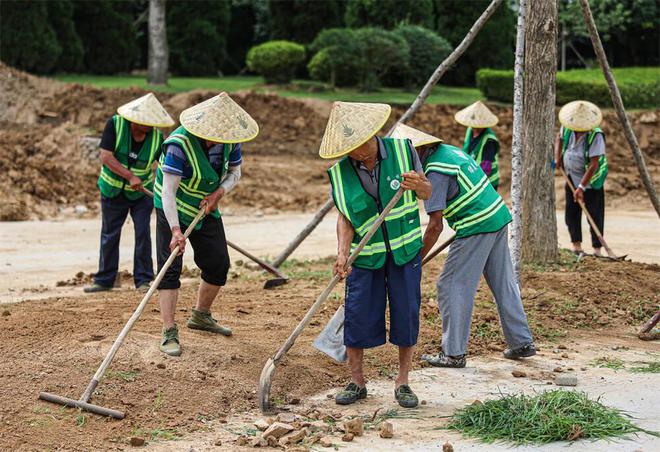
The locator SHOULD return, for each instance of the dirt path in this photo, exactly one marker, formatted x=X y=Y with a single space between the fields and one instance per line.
x=35 y=255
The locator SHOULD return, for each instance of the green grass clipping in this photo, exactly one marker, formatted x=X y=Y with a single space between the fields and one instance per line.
x=542 y=418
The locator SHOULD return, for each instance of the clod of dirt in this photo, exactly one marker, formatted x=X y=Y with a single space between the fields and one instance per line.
x=325 y=441
x=347 y=437
x=261 y=424
x=354 y=426
x=160 y=365
x=447 y=447
x=242 y=440
x=259 y=441
x=518 y=374
x=287 y=418
x=293 y=438
x=277 y=430
x=386 y=430
x=218 y=443
x=294 y=401
x=136 y=441
x=6 y=313
x=566 y=380
x=423 y=402
x=558 y=369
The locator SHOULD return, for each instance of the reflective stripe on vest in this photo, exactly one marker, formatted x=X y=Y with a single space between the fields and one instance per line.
x=598 y=179
x=477 y=152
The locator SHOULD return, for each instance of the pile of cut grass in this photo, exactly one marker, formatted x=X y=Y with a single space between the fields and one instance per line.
x=543 y=418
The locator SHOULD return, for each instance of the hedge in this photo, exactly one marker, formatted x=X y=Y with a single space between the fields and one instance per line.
x=639 y=86
x=276 y=61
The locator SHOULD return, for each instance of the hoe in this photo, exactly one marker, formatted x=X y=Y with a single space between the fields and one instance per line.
x=83 y=402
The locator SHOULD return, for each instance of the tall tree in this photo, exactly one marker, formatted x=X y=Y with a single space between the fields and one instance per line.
x=158 y=51
x=389 y=13
x=538 y=121
x=60 y=13
x=302 y=20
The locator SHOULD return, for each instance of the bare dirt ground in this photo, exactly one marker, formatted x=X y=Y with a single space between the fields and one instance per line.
x=56 y=344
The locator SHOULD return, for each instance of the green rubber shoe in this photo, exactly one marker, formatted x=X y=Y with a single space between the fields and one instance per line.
x=405 y=396
x=96 y=288
x=170 y=344
x=200 y=320
x=351 y=394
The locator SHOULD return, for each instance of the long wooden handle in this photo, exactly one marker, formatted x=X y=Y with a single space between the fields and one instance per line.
x=138 y=311
x=439 y=249
x=324 y=295
x=589 y=218
x=266 y=266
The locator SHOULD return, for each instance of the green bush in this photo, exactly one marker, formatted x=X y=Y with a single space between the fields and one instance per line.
x=276 y=61
x=337 y=57
x=640 y=87
x=427 y=51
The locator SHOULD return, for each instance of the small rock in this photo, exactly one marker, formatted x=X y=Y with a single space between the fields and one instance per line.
x=564 y=355
x=319 y=426
x=348 y=437
x=329 y=396
x=160 y=365
x=447 y=447
x=566 y=380
x=583 y=368
x=354 y=426
x=423 y=402
x=259 y=441
x=518 y=373
x=287 y=418
x=293 y=437
x=218 y=443
x=277 y=430
x=242 y=440
x=261 y=424
x=294 y=401
x=136 y=441
x=6 y=313
x=80 y=209
x=562 y=347
x=325 y=441
x=272 y=442
x=386 y=430
x=557 y=369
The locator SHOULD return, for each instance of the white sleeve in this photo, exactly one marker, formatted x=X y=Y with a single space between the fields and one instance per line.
x=170 y=186
x=231 y=178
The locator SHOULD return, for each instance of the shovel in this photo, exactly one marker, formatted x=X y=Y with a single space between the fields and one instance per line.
x=265 y=380
x=331 y=340
x=83 y=402
x=610 y=253
x=271 y=283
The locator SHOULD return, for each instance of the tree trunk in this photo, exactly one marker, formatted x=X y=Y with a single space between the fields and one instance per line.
x=516 y=144
x=158 y=51
x=618 y=106
x=538 y=120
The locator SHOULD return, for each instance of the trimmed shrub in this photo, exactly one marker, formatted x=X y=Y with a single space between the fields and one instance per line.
x=381 y=51
x=427 y=51
x=276 y=61
x=337 y=57
x=640 y=87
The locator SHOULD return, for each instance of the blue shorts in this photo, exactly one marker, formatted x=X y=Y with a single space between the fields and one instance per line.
x=367 y=292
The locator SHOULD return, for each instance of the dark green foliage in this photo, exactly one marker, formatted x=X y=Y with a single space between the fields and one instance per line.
x=196 y=33
x=60 y=13
x=276 y=61
x=108 y=36
x=640 y=87
x=388 y=13
x=27 y=39
x=337 y=57
x=427 y=51
x=381 y=51
x=540 y=419
x=494 y=45
x=240 y=34
x=301 y=20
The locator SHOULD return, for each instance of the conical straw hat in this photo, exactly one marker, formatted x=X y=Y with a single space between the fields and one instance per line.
x=417 y=137
x=580 y=116
x=476 y=115
x=146 y=111
x=219 y=119
x=350 y=125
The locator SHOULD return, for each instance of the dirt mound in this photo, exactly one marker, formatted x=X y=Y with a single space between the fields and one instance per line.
x=46 y=346
x=42 y=122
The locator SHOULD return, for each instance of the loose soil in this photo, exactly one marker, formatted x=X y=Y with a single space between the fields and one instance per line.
x=55 y=345
x=47 y=169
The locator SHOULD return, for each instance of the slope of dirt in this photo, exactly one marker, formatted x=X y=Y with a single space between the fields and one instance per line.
x=42 y=122
x=55 y=345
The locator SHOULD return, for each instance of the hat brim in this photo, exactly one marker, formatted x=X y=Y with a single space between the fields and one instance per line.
x=477 y=125
x=221 y=139
x=144 y=123
x=354 y=147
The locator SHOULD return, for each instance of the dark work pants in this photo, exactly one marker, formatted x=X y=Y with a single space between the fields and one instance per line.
x=114 y=212
x=595 y=202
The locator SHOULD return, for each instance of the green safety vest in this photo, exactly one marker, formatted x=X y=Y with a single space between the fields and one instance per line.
x=598 y=179
x=477 y=208
x=401 y=233
x=478 y=151
x=204 y=180
x=109 y=183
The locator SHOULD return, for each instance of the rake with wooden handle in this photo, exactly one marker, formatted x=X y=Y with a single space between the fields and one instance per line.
x=609 y=251
x=265 y=380
x=83 y=401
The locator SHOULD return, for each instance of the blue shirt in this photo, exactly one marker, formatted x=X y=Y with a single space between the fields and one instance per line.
x=177 y=163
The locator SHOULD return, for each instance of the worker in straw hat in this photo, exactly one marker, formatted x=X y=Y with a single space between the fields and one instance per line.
x=480 y=140
x=461 y=194
x=371 y=171
x=580 y=150
x=200 y=164
x=130 y=146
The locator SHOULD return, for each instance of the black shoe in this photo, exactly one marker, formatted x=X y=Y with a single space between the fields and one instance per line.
x=405 y=396
x=525 y=351
x=96 y=287
x=442 y=360
x=351 y=394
